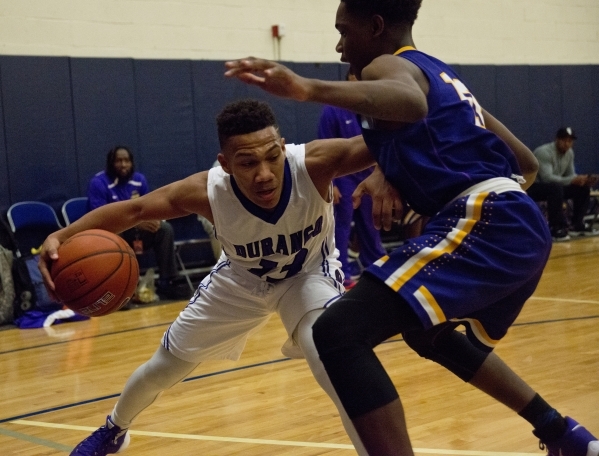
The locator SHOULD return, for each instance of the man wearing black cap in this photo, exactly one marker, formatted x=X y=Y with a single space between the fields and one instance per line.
x=557 y=181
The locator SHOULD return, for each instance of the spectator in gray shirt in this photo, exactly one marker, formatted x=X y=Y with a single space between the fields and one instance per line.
x=557 y=182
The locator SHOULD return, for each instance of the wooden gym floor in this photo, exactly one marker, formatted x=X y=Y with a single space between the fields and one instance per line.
x=58 y=385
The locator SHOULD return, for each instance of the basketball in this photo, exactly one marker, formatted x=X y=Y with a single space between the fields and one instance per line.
x=96 y=273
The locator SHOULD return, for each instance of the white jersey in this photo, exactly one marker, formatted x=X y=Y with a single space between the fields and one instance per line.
x=297 y=237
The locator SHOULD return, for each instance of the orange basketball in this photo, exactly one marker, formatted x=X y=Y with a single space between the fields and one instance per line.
x=96 y=273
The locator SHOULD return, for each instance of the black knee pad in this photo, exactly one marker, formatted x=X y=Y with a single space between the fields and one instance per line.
x=345 y=335
x=447 y=347
x=367 y=315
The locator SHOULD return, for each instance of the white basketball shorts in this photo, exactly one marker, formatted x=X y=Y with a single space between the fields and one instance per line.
x=229 y=305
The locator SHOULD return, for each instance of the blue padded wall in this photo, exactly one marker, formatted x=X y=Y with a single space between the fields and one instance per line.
x=545 y=104
x=166 y=127
x=4 y=188
x=580 y=110
x=61 y=115
x=513 y=100
x=212 y=91
x=104 y=111
x=39 y=130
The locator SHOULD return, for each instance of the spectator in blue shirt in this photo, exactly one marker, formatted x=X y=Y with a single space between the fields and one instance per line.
x=119 y=182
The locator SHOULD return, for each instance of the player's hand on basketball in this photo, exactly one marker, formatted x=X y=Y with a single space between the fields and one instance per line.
x=269 y=76
x=386 y=202
x=48 y=254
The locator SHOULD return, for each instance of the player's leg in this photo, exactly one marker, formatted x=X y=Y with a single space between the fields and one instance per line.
x=303 y=338
x=487 y=372
x=212 y=326
x=144 y=386
x=345 y=335
x=147 y=382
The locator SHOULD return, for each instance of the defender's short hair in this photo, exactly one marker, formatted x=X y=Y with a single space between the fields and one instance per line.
x=242 y=117
x=392 y=11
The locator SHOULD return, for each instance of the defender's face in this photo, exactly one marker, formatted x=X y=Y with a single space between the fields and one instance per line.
x=257 y=162
x=355 y=45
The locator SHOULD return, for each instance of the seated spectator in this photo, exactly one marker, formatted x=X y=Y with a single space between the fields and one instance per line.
x=118 y=182
x=557 y=182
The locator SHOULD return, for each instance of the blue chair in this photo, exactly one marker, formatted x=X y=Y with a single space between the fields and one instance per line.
x=190 y=235
x=74 y=208
x=31 y=222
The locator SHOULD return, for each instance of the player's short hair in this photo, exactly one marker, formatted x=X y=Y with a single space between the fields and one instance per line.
x=392 y=11
x=242 y=117
x=110 y=157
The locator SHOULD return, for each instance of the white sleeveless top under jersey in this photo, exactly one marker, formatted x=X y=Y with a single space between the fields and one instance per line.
x=298 y=236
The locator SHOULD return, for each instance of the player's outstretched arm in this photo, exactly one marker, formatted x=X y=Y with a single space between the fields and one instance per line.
x=391 y=88
x=178 y=199
x=327 y=159
x=526 y=159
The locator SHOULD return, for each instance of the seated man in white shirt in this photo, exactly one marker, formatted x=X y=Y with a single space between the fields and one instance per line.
x=557 y=182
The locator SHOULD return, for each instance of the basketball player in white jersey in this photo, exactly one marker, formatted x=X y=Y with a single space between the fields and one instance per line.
x=271 y=205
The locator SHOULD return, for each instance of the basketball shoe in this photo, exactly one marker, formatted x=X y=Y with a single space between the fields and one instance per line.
x=577 y=441
x=108 y=439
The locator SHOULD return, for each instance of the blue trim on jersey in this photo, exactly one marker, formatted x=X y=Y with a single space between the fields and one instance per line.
x=264 y=215
x=332 y=300
x=165 y=340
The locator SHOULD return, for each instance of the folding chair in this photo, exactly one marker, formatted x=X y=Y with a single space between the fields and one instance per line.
x=31 y=222
x=74 y=208
x=188 y=232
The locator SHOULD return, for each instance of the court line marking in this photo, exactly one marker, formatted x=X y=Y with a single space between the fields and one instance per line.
x=244 y=367
x=62 y=342
x=266 y=441
x=36 y=440
x=578 y=301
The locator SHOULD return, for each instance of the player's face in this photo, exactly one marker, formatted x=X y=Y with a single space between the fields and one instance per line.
x=355 y=44
x=257 y=162
x=122 y=163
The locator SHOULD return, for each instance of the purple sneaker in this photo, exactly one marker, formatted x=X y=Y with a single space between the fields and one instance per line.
x=108 y=439
x=577 y=441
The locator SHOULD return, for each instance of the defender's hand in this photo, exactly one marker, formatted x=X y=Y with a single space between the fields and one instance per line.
x=386 y=202
x=336 y=195
x=270 y=76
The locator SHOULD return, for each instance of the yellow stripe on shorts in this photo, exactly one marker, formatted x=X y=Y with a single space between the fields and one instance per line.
x=479 y=332
x=452 y=241
x=429 y=304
